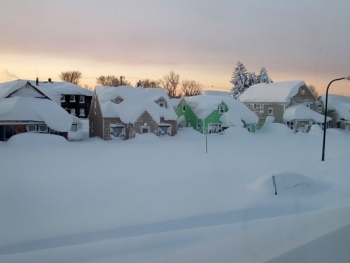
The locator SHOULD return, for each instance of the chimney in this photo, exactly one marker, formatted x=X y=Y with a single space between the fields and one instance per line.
x=49 y=80
x=37 y=81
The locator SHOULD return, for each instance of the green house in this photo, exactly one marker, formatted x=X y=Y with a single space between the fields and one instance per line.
x=213 y=114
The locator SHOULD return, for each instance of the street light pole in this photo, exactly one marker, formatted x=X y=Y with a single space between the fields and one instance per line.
x=325 y=115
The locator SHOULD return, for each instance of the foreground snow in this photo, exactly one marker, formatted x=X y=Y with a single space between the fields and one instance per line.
x=164 y=199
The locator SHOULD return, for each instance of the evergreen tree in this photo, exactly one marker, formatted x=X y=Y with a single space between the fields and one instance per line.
x=264 y=77
x=252 y=79
x=239 y=80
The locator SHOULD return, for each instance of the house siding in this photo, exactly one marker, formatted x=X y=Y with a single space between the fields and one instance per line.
x=95 y=119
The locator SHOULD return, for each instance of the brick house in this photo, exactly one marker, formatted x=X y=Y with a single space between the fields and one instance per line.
x=121 y=112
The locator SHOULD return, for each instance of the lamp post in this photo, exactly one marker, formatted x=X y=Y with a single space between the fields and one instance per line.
x=325 y=115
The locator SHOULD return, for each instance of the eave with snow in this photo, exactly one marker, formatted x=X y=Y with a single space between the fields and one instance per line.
x=213 y=114
x=339 y=109
x=122 y=112
x=270 y=101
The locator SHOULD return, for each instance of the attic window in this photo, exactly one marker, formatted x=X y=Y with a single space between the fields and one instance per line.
x=161 y=104
x=302 y=92
x=183 y=107
x=221 y=109
x=117 y=100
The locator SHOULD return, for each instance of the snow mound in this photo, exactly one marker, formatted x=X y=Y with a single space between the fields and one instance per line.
x=290 y=183
x=316 y=129
x=275 y=128
x=237 y=131
x=35 y=139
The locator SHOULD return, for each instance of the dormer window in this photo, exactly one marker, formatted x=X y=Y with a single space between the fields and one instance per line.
x=221 y=109
x=161 y=102
x=117 y=100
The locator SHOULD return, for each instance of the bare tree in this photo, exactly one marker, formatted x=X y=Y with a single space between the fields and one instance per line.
x=71 y=76
x=313 y=90
x=147 y=83
x=111 y=81
x=170 y=83
x=191 y=88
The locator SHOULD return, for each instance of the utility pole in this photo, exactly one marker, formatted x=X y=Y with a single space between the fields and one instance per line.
x=121 y=80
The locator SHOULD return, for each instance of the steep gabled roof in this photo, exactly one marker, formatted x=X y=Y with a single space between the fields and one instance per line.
x=34 y=109
x=135 y=101
x=203 y=105
x=8 y=89
x=279 y=92
x=302 y=112
x=339 y=103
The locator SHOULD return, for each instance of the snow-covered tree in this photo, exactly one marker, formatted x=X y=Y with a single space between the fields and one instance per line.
x=252 y=79
x=239 y=80
x=263 y=76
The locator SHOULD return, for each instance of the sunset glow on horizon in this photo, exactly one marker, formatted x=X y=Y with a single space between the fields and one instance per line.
x=199 y=40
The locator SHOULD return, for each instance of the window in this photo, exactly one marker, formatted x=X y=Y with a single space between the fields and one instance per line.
x=31 y=128
x=72 y=111
x=145 y=129
x=82 y=112
x=72 y=98
x=270 y=111
x=81 y=99
x=259 y=107
x=320 y=106
x=161 y=104
x=74 y=127
x=63 y=98
x=221 y=109
x=164 y=129
x=183 y=107
x=42 y=128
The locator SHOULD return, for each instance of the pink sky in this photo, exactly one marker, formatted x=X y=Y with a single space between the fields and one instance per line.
x=200 y=40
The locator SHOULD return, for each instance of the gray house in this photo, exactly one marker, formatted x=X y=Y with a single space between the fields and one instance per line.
x=270 y=101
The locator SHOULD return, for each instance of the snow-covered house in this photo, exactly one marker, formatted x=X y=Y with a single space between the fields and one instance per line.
x=300 y=118
x=73 y=98
x=213 y=114
x=269 y=101
x=338 y=108
x=122 y=112
x=27 y=114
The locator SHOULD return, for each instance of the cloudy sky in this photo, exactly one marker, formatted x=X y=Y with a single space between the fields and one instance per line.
x=201 y=40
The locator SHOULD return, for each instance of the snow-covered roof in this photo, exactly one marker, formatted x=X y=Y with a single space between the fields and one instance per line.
x=302 y=112
x=52 y=90
x=175 y=102
x=339 y=103
x=279 y=92
x=66 y=88
x=34 y=109
x=135 y=102
x=203 y=105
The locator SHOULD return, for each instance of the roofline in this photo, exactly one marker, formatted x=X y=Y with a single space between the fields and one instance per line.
x=32 y=87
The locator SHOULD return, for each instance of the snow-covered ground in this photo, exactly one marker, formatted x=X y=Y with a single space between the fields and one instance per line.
x=165 y=199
